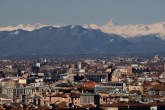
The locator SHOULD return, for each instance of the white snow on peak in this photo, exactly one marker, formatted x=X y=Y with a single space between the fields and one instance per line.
x=15 y=32
x=85 y=26
x=132 y=30
x=72 y=26
x=129 y=30
x=111 y=40
x=57 y=25
x=27 y=27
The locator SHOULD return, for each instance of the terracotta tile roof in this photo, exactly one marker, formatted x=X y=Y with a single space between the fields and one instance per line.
x=88 y=106
x=159 y=87
x=60 y=95
x=89 y=85
x=150 y=83
x=43 y=108
x=124 y=104
x=155 y=96
x=62 y=105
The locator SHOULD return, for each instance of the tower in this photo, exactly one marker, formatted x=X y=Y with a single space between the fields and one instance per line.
x=79 y=65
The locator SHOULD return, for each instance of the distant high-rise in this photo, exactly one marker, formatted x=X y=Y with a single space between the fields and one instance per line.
x=45 y=60
x=79 y=65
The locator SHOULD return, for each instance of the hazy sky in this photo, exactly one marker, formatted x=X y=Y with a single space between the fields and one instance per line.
x=14 y=12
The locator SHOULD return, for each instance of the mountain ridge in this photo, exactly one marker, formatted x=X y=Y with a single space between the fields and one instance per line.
x=75 y=40
x=126 y=31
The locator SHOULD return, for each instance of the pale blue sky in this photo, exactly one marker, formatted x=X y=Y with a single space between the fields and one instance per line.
x=14 y=12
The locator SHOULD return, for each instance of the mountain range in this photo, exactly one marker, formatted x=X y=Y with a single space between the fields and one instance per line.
x=132 y=30
x=45 y=40
x=129 y=30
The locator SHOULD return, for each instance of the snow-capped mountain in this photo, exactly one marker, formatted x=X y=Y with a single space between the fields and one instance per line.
x=126 y=31
x=26 y=27
x=66 y=40
x=131 y=30
x=75 y=40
